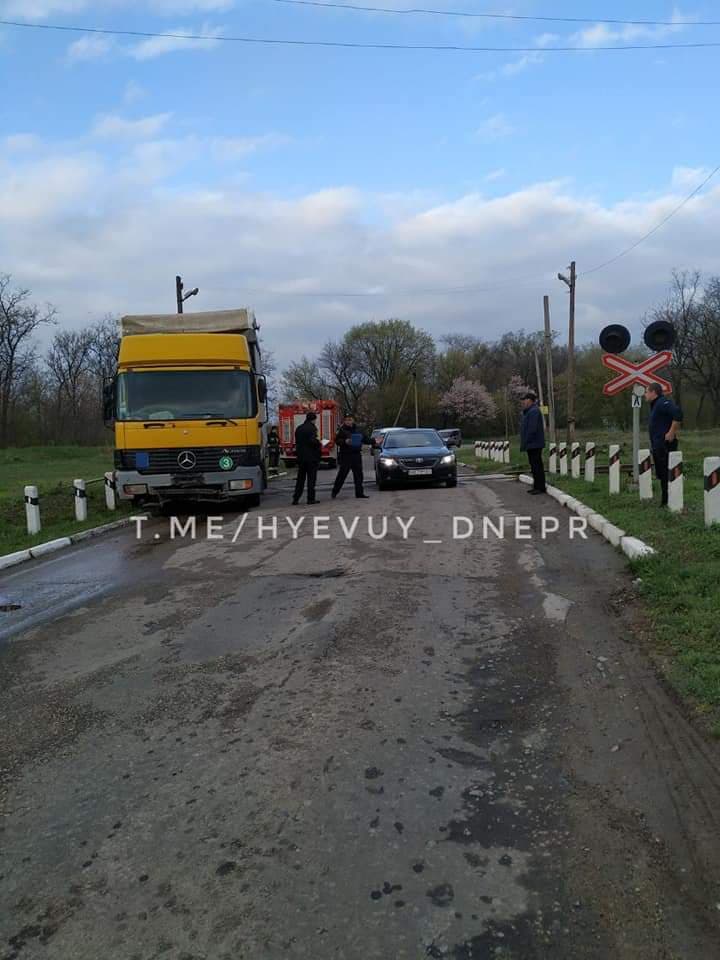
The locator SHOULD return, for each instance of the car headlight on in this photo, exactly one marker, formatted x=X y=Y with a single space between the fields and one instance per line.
x=388 y=461
x=450 y=458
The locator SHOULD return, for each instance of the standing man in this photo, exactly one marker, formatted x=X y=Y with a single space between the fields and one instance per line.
x=308 y=453
x=349 y=445
x=273 y=445
x=665 y=420
x=532 y=440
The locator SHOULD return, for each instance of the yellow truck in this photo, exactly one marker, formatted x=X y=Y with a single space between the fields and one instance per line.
x=188 y=407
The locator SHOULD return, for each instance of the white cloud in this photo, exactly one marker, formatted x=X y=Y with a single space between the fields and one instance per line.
x=89 y=47
x=687 y=178
x=158 y=46
x=494 y=128
x=113 y=127
x=494 y=175
x=20 y=142
x=74 y=227
x=602 y=34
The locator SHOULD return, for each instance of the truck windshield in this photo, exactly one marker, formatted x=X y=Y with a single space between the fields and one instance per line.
x=185 y=395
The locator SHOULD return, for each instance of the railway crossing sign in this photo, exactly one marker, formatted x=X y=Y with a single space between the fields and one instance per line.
x=636 y=373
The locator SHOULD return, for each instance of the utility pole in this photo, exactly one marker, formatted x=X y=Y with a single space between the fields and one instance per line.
x=571 y=355
x=539 y=383
x=179 y=294
x=417 y=421
x=549 y=370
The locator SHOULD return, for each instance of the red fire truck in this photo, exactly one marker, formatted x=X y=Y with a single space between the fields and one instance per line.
x=291 y=415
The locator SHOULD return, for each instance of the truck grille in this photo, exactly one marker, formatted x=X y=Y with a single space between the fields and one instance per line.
x=200 y=459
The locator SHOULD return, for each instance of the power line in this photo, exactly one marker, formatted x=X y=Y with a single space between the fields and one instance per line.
x=655 y=229
x=501 y=16
x=348 y=44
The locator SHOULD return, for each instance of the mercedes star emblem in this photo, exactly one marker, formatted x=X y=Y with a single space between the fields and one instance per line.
x=186 y=460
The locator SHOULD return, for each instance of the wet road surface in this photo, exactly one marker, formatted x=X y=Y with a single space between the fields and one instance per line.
x=348 y=747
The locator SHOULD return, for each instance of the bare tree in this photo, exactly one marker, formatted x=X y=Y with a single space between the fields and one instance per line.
x=681 y=308
x=69 y=362
x=303 y=381
x=19 y=319
x=704 y=358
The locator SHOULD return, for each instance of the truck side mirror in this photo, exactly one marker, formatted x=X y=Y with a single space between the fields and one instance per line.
x=109 y=403
x=262 y=389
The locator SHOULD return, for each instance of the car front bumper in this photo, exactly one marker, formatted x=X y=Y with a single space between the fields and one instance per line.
x=399 y=474
x=210 y=484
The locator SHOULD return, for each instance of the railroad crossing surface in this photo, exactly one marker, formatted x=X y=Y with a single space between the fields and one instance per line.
x=349 y=748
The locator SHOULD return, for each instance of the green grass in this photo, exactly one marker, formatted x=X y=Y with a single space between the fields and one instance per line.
x=52 y=470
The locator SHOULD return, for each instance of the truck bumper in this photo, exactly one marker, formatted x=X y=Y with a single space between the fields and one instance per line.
x=209 y=485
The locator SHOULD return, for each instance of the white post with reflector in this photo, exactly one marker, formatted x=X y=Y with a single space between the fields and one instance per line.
x=552 y=460
x=563 y=459
x=110 y=488
x=506 y=452
x=676 y=482
x=614 y=468
x=645 y=484
x=81 y=510
x=575 y=460
x=32 y=510
x=711 y=469
x=590 y=452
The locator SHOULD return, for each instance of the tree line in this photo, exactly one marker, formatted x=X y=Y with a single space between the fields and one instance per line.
x=54 y=396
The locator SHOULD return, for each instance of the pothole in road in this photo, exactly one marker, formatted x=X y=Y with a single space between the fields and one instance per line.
x=7 y=606
x=322 y=574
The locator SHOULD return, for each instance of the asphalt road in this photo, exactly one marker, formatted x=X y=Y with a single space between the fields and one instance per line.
x=348 y=747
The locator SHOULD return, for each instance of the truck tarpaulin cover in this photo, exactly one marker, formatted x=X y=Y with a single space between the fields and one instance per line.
x=216 y=321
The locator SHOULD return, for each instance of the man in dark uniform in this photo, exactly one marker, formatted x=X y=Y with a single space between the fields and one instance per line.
x=273 y=446
x=349 y=445
x=665 y=419
x=308 y=453
x=532 y=440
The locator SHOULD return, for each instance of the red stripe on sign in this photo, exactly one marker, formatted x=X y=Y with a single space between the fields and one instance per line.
x=589 y=454
x=615 y=458
x=676 y=472
x=576 y=453
x=645 y=465
x=712 y=480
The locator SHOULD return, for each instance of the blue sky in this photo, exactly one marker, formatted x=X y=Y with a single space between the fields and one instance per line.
x=263 y=172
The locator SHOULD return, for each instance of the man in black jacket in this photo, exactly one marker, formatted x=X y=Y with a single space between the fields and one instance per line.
x=532 y=440
x=308 y=453
x=349 y=446
x=663 y=425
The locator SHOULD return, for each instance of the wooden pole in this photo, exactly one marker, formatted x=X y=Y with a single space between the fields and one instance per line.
x=549 y=366
x=539 y=385
x=417 y=421
x=571 y=361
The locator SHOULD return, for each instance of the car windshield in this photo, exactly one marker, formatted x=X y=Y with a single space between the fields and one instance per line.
x=185 y=395
x=413 y=438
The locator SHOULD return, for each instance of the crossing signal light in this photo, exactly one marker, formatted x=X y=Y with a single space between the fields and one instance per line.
x=660 y=335
x=615 y=338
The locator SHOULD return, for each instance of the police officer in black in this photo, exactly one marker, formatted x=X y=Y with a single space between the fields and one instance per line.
x=308 y=453
x=665 y=419
x=349 y=457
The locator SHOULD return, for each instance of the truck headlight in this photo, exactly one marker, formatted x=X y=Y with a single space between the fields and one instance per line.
x=240 y=485
x=450 y=458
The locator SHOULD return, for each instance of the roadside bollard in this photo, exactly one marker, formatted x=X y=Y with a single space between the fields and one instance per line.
x=645 y=484
x=506 y=452
x=711 y=470
x=110 y=488
x=575 y=460
x=676 y=482
x=80 y=501
x=552 y=458
x=614 y=468
x=563 y=459
x=590 y=451
x=32 y=510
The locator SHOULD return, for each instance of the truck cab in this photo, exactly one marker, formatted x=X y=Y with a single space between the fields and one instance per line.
x=188 y=408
